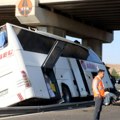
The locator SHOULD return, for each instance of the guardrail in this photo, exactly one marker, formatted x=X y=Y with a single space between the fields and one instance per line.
x=10 y=111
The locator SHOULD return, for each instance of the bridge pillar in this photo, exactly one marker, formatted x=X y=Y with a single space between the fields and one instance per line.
x=53 y=30
x=95 y=45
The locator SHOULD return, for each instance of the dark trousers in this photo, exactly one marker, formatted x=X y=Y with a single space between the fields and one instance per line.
x=98 y=107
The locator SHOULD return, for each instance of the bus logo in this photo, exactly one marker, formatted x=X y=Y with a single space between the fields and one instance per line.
x=6 y=54
x=25 y=7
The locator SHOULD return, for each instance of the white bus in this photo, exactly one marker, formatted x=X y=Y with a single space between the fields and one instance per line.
x=37 y=65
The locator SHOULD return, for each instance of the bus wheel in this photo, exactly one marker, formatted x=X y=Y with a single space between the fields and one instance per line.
x=66 y=95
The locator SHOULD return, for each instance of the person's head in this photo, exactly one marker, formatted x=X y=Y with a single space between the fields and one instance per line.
x=76 y=41
x=101 y=73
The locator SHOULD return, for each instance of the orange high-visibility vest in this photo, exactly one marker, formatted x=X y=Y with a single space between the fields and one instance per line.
x=99 y=87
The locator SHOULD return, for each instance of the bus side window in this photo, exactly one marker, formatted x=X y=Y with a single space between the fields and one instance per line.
x=3 y=39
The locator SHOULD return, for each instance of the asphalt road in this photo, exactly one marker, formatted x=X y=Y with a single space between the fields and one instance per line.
x=108 y=113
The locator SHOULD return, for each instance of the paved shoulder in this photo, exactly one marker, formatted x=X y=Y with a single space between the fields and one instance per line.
x=108 y=113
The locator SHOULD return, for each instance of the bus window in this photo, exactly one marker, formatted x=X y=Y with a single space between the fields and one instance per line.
x=34 y=42
x=75 y=51
x=94 y=74
x=3 y=39
x=93 y=57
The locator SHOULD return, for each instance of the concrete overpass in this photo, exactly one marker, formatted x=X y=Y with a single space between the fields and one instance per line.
x=91 y=20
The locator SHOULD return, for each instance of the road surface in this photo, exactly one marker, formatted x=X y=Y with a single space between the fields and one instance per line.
x=111 y=112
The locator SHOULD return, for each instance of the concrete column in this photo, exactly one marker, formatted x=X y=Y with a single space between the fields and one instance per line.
x=95 y=45
x=53 y=30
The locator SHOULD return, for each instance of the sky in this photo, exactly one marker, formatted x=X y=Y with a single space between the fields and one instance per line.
x=110 y=51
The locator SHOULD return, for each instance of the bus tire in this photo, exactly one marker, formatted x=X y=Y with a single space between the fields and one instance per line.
x=66 y=94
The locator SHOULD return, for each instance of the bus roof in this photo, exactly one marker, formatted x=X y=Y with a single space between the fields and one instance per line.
x=66 y=47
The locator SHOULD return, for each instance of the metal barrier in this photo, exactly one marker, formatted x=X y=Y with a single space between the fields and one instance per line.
x=10 y=111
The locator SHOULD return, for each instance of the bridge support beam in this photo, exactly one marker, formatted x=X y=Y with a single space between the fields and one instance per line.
x=42 y=17
x=55 y=1
x=52 y=30
x=95 y=45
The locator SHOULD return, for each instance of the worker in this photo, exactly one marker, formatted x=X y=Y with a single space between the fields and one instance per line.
x=99 y=93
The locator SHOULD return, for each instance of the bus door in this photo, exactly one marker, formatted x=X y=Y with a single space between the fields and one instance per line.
x=78 y=78
x=89 y=69
x=50 y=62
x=89 y=78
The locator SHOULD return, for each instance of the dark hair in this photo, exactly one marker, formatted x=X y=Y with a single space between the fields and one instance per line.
x=101 y=70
